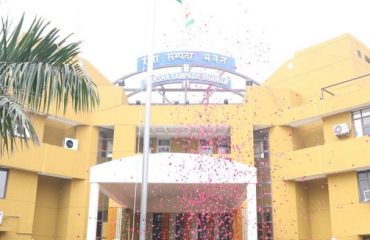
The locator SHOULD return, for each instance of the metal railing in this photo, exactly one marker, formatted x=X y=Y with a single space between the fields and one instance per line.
x=325 y=89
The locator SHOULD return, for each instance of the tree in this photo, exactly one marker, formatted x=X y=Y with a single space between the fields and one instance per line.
x=38 y=69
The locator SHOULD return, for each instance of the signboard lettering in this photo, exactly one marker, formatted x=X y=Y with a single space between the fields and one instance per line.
x=194 y=77
x=192 y=58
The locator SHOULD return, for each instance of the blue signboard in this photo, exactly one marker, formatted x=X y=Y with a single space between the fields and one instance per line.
x=192 y=58
x=194 y=77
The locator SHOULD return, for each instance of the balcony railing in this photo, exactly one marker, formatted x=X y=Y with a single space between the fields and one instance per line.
x=344 y=84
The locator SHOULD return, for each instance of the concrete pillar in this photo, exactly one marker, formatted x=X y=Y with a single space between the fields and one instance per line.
x=252 y=212
x=124 y=146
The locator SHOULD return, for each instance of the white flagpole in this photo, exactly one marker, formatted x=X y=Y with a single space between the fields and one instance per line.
x=150 y=62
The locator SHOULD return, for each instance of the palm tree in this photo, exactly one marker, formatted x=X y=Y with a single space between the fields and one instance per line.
x=38 y=69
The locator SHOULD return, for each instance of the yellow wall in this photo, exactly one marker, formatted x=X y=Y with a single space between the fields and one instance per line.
x=349 y=216
x=55 y=132
x=303 y=211
x=319 y=207
x=330 y=158
x=316 y=67
x=306 y=147
x=19 y=205
x=308 y=136
x=124 y=146
x=46 y=208
x=330 y=121
x=285 y=215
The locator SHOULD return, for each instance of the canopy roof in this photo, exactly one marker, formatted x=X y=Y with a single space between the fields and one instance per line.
x=176 y=182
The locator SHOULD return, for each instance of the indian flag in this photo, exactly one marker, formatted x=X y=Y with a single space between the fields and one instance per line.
x=189 y=20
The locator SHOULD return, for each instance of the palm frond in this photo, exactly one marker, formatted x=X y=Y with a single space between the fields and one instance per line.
x=38 y=70
x=15 y=125
x=38 y=85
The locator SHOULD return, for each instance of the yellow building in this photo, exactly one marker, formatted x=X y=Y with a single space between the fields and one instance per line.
x=306 y=130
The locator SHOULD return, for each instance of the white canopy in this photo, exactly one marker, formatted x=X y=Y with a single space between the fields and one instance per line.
x=174 y=168
x=177 y=182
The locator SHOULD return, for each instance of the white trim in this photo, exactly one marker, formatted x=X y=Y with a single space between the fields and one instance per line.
x=308 y=178
x=169 y=170
x=63 y=120
x=53 y=175
x=93 y=211
x=174 y=168
x=168 y=131
x=252 y=232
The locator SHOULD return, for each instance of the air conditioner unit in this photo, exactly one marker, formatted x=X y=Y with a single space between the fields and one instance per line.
x=367 y=195
x=1 y=217
x=70 y=143
x=341 y=129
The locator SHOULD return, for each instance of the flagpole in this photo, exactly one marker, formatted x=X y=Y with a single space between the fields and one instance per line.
x=146 y=147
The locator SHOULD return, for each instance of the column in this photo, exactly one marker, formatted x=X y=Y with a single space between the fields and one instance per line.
x=93 y=211
x=237 y=224
x=194 y=226
x=172 y=225
x=124 y=144
x=251 y=212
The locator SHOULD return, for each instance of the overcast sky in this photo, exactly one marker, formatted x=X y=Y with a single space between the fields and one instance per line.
x=260 y=34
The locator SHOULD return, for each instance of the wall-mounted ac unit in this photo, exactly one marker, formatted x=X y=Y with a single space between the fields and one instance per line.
x=367 y=195
x=1 y=217
x=341 y=129
x=70 y=143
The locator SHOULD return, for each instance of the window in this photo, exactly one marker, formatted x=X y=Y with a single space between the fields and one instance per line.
x=3 y=181
x=105 y=145
x=361 y=119
x=223 y=146
x=164 y=145
x=364 y=184
x=102 y=215
x=264 y=200
x=367 y=59
x=260 y=144
x=205 y=146
x=359 y=53
x=158 y=226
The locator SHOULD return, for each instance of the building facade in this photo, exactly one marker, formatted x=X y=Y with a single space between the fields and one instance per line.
x=306 y=130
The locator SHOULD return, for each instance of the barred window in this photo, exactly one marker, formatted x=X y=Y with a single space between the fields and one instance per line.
x=361 y=119
x=364 y=185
